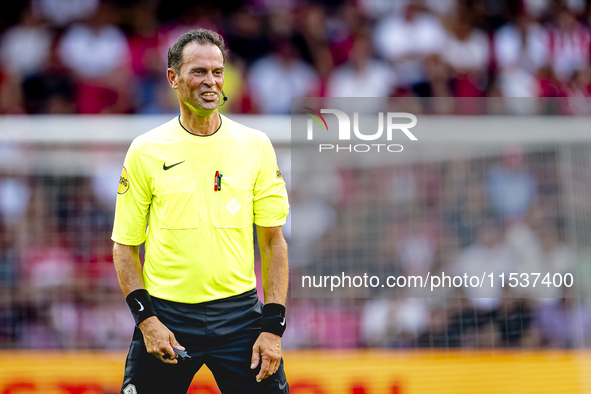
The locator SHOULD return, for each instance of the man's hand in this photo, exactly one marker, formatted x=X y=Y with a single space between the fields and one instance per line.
x=159 y=340
x=268 y=348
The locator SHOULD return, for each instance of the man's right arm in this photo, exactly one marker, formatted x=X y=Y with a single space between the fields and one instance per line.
x=129 y=269
x=158 y=338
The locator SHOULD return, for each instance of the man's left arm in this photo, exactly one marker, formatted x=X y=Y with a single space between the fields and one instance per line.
x=275 y=270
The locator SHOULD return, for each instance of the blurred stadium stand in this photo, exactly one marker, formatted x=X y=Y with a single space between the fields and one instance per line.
x=109 y=57
x=434 y=213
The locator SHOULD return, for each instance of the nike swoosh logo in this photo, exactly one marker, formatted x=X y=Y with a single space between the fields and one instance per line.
x=283 y=322
x=165 y=167
x=141 y=306
x=282 y=386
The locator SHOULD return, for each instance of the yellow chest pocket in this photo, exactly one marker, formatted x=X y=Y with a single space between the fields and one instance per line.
x=232 y=204
x=177 y=202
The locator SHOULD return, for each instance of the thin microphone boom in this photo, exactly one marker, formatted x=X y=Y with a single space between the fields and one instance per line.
x=225 y=99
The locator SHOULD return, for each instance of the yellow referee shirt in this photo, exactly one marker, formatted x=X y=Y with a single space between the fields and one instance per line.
x=199 y=241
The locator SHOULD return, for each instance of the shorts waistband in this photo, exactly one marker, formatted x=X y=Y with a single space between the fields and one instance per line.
x=217 y=318
x=239 y=298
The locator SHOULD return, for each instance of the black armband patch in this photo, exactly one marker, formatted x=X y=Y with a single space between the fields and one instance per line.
x=273 y=319
x=140 y=304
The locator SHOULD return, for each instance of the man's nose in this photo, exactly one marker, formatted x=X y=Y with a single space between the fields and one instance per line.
x=209 y=80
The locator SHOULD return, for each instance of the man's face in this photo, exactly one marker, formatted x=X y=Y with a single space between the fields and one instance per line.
x=200 y=79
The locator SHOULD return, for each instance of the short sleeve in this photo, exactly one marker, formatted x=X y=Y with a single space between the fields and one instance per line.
x=134 y=197
x=270 y=195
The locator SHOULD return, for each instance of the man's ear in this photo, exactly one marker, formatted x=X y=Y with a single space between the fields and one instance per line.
x=172 y=78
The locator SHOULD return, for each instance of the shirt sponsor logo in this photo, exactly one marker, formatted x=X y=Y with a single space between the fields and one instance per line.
x=123 y=182
x=166 y=168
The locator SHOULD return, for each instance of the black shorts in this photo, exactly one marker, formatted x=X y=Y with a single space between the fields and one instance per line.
x=219 y=334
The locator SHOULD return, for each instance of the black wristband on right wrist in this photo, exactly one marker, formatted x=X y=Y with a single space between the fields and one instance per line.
x=273 y=319
x=140 y=304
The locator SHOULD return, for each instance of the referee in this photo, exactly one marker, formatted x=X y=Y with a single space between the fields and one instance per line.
x=191 y=189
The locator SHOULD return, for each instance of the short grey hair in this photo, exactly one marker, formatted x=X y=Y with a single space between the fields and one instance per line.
x=201 y=37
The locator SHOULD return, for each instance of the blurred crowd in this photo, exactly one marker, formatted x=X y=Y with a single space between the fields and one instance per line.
x=499 y=213
x=505 y=212
x=93 y=56
x=58 y=288
x=57 y=284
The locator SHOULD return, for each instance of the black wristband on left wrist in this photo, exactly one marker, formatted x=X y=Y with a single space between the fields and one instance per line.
x=273 y=319
x=140 y=304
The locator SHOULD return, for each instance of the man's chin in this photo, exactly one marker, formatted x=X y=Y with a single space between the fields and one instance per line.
x=209 y=106
x=203 y=110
